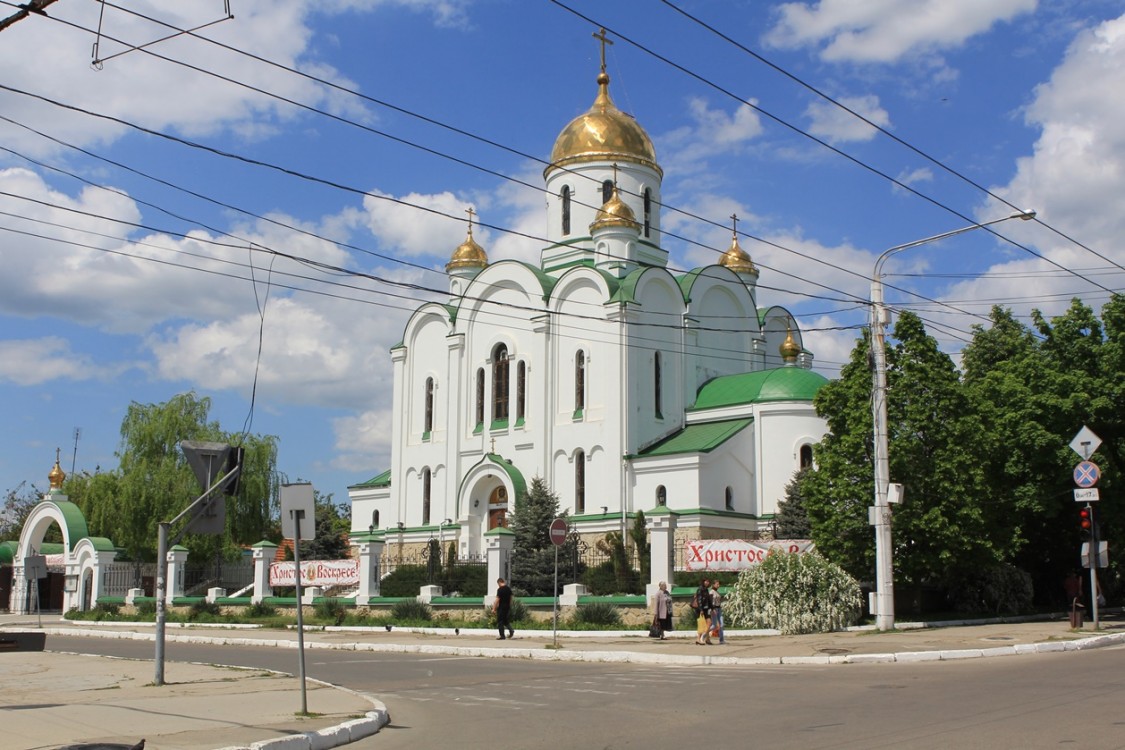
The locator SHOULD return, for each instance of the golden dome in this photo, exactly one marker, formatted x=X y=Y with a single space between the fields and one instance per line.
x=789 y=348
x=736 y=258
x=604 y=133
x=468 y=254
x=615 y=213
x=57 y=475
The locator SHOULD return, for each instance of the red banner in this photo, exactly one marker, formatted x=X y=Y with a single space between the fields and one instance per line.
x=316 y=573
x=736 y=554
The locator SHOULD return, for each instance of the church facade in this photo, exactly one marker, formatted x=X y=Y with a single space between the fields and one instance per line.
x=624 y=384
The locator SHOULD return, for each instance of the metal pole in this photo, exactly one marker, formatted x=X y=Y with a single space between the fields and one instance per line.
x=161 y=608
x=881 y=513
x=555 y=604
x=297 y=515
x=1092 y=558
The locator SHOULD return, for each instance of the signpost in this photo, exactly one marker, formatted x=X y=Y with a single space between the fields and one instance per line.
x=1086 y=475
x=557 y=533
x=298 y=503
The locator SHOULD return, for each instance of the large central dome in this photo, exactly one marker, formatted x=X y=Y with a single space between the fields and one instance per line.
x=604 y=133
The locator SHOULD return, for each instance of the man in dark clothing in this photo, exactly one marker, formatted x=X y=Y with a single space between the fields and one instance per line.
x=503 y=607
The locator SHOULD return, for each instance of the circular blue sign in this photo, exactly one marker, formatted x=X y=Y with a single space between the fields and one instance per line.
x=1086 y=474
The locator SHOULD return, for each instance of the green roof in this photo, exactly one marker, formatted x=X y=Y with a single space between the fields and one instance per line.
x=779 y=384
x=697 y=438
x=382 y=480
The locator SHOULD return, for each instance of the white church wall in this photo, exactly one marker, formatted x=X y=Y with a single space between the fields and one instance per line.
x=781 y=431
x=655 y=327
x=726 y=324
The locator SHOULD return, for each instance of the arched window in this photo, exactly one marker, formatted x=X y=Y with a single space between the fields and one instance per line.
x=375 y=519
x=579 y=380
x=426 y=496
x=565 y=210
x=806 y=456
x=648 y=210
x=500 y=383
x=521 y=391
x=730 y=499
x=661 y=495
x=428 y=422
x=580 y=482
x=480 y=396
x=657 y=386
x=607 y=191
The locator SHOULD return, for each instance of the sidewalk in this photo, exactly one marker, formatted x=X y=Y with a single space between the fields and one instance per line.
x=51 y=699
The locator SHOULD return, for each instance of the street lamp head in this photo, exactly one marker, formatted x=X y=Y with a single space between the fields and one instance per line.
x=1024 y=215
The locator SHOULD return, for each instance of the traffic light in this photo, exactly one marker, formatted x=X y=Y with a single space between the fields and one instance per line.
x=1086 y=521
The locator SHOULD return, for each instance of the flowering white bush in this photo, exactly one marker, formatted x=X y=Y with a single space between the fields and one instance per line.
x=795 y=594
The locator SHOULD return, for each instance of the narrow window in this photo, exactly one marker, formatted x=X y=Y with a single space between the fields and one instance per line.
x=480 y=395
x=579 y=380
x=648 y=210
x=428 y=425
x=426 y=497
x=661 y=495
x=521 y=391
x=566 y=210
x=806 y=456
x=730 y=499
x=500 y=383
x=607 y=191
x=579 y=482
x=657 y=386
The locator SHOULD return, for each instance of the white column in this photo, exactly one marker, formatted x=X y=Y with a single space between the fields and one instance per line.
x=264 y=553
x=661 y=524
x=370 y=554
x=499 y=544
x=177 y=561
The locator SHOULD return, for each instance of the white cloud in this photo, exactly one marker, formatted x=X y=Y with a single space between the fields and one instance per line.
x=35 y=361
x=1075 y=175
x=419 y=225
x=885 y=30
x=364 y=440
x=713 y=132
x=837 y=125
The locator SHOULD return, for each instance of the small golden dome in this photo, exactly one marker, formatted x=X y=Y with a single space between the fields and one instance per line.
x=57 y=475
x=737 y=260
x=468 y=254
x=789 y=348
x=604 y=133
x=615 y=213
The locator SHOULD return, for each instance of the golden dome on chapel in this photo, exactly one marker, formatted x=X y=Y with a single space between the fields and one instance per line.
x=57 y=475
x=615 y=213
x=604 y=133
x=789 y=348
x=736 y=259
x=469 y=254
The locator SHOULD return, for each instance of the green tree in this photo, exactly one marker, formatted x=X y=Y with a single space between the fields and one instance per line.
x=533 y=555
x=331 y=541
x=18 y=503
x=792 y=520
x=154 y=483
x=639 y=534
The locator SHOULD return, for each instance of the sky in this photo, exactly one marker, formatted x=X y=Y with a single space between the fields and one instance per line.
x=251 y=211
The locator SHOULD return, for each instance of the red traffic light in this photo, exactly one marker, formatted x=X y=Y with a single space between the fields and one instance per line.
x=1084 y=516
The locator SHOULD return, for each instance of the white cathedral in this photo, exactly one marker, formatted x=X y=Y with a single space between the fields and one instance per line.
x=625 y=385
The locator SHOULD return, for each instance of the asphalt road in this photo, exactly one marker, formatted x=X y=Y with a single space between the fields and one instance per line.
x=1070 y=699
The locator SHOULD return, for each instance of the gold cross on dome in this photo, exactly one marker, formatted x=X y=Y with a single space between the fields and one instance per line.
x=604 y=40
x=493 y=448
x=471 y=213
x=734 y=229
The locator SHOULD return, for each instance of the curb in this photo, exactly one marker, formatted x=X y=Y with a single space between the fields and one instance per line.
x=625 y=657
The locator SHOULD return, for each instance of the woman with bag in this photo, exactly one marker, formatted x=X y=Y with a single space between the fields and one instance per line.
x=703 y=621
x=662 y=612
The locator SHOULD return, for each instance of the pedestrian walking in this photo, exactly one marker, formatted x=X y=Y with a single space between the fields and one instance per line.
x=502 y=606
x=717 y=612
x=663 y=609
x=701 y=603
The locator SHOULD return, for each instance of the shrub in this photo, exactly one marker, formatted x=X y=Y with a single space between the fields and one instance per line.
x=106 y=611
x=146 y=610
x=261 y=610
x=795 y=594
x=1002 y=589
x=596 y=613
x=411 y=610
x=204 y=611
x=330 y=610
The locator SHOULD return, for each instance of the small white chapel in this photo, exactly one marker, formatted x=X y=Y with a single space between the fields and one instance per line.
x=626 y=385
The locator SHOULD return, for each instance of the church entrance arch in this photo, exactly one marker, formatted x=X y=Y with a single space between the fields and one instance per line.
x=485 y=500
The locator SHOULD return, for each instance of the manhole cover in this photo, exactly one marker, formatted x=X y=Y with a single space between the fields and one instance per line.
x=834 y=651
x=998 y=638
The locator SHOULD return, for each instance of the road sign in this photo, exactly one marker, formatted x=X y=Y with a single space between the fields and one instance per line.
x=558 y=532
x=1085 y=442
x=1086 y=496
x=1086 y=474
x=298 y=502
x=1103 y=555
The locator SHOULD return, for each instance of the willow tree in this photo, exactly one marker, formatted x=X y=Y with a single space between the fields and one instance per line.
x=154 y=483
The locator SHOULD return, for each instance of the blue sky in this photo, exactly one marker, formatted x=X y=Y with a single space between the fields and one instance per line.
x=127 y=265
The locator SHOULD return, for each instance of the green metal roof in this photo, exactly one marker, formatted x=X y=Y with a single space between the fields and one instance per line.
x=382 y=480
x=779 y=384
x=697 y=438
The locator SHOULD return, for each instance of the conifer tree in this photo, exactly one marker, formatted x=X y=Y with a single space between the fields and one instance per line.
x=533 y=555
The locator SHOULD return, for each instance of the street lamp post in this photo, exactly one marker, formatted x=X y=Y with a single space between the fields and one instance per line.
x=880 y=514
